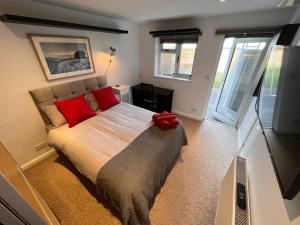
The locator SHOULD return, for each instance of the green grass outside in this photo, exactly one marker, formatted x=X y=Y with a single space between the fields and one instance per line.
x=268 y=78
x=267 y=81
x=218 y=80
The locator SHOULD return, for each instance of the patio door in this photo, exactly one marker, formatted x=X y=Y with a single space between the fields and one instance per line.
x=243 y=70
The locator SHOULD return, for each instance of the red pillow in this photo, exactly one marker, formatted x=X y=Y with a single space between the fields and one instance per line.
x=105 y=98
x=75 y=110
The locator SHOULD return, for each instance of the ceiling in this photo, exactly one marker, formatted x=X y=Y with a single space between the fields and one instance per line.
x=142 y=10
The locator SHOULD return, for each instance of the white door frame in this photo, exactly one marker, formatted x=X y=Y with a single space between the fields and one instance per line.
x=258 y=71
x=215 y=113
x=15 y=201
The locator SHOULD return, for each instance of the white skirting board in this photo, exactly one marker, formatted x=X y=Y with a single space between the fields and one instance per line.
x=198 y=118
x=38 y=159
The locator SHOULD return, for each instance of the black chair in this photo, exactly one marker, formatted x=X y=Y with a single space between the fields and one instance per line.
x=148 y=97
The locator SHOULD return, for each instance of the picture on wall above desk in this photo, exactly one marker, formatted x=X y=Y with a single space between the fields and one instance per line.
x=62 y=56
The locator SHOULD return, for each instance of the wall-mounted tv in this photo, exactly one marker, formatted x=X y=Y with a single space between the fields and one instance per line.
x=278 y=109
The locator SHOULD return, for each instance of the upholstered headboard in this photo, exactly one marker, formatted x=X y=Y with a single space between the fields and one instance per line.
x=50 y=94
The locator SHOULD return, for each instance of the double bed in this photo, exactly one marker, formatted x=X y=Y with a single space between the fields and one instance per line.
x=120 y=150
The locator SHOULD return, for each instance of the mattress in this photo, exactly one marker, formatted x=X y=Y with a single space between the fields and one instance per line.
x=93 y=142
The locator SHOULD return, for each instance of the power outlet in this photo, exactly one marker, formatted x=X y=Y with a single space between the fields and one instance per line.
x=193 y=109
x=40 y=146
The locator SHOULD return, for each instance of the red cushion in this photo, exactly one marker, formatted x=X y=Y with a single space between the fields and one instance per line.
x=75 y=110
x=105 y=98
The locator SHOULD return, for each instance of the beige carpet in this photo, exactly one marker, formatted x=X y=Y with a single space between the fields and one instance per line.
x=189 y=196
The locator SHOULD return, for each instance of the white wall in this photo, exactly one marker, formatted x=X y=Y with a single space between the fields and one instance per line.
x=194 y=94
x=21 y=127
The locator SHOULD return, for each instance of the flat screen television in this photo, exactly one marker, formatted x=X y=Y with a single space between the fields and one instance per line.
x=278 y=108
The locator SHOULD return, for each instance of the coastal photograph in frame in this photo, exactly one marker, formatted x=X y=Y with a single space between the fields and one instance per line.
x=62 y=56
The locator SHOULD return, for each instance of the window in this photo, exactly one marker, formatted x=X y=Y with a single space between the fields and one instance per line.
x=175 y=60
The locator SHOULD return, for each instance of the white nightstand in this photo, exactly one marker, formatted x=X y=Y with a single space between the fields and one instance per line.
x=123 y=92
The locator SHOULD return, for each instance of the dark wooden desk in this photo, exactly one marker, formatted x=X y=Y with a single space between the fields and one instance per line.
x=164 y=98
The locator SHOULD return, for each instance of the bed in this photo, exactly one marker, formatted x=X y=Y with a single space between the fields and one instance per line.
x=120 y=150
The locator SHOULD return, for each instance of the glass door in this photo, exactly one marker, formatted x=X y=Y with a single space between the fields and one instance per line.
x=240 y=76
x=269 y=87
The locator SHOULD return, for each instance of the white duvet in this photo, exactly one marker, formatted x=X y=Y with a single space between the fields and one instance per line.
x=93 y=142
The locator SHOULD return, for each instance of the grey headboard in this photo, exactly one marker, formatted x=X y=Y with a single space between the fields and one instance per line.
x=50 y=94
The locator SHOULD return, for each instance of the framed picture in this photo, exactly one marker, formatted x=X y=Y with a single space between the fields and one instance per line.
x=62 y=56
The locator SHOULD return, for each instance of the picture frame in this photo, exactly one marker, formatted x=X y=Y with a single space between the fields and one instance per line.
x=63 y=56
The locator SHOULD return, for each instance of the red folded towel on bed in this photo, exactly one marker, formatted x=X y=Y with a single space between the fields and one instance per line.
x=165 y=120
x=164 y=117
x=173 y=122
x=163 y=124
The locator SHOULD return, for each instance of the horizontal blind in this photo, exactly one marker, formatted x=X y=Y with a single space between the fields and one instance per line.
x=249 y=32
x=179 y=39
x=190 y=35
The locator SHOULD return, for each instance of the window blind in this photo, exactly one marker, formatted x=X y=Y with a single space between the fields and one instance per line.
x=249 y=32
x=190 y=35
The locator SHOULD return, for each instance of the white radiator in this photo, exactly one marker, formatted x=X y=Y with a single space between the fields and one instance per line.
x=233 y=206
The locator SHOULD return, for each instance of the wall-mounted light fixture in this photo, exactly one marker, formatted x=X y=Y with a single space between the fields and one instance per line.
x=112 y=51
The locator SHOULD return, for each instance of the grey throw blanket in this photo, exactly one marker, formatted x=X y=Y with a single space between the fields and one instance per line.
x=131 y=180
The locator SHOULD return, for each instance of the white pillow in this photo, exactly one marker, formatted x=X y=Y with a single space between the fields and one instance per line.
x=54 y=115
